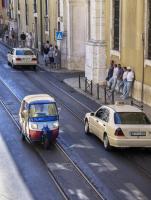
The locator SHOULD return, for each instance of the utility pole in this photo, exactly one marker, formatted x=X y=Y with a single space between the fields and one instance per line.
x=41 y=25
x=142 y=85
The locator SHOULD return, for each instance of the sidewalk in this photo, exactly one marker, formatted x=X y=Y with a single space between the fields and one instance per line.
x=74 y=83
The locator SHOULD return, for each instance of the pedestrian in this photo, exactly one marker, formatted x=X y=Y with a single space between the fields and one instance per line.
x=123 y=82
x=119 y=76
x=129 y=82
x=110 y=71
x=46 y=51
x=57 y=57
x=29 y=40
x=12 y=34
x=23 y=39
x=113 y=79
x=51 y=55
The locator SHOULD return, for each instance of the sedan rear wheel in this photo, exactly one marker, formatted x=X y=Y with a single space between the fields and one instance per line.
x=106 y=142
x=87 y=128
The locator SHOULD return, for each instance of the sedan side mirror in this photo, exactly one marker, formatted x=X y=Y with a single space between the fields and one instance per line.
x=92 y=114
x=24 y=113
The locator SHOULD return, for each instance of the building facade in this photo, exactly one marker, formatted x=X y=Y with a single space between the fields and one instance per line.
x=94 y=32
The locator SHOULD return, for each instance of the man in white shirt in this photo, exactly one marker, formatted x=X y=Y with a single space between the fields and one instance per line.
x=129 y=83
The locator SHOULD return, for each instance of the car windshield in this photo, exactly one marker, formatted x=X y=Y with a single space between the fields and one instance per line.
x=24 y=52
x=42 y=110
x=131 y=118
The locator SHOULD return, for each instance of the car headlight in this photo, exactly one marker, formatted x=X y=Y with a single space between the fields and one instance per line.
x=55 y=124
x=34 y=126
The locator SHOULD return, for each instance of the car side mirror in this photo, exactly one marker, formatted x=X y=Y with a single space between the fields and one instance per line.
x=9 y=52
x=59 y=109
x=24 y=113
x=92 y=114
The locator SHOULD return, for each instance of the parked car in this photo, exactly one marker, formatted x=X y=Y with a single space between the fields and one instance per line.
x=119 y=125
x=22 y=57
x=39 y=119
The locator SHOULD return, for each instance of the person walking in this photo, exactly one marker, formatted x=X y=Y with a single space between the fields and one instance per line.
x=23 y=39
x=46 y=51
x=129 y=82
x=57 y=57
x=50 y=55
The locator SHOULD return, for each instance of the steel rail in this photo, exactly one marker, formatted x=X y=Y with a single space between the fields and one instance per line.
x=59 y=147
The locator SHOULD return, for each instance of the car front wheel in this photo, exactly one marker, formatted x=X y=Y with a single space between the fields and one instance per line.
x=87 y=132
x=106 y=142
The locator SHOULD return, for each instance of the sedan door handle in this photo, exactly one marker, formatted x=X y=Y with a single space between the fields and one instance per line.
x=103 y=124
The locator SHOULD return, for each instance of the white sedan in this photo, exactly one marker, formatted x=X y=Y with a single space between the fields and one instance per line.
x=22 y=57
x=119 y=125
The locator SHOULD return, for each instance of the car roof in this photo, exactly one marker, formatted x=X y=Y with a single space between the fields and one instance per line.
x=124 y=108
x=38 y=98
x=22 y=49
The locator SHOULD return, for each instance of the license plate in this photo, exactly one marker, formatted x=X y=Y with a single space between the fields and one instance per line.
x=27 y=59
x=138 y=133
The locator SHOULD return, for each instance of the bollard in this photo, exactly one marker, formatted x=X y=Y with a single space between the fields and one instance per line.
x=105 y=95
x=112 y=97
x=98 y=91
x=91 y=88
x=85 y=84
x=79 y=81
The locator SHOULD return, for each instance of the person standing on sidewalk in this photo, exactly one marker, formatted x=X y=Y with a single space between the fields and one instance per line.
x=119 y=76
x=46 y=51
x=50 y=55
x=123 y=82
x=57 y=57
x=23 y=39
x=113 y=79
x=110 y=71
x=129 y=82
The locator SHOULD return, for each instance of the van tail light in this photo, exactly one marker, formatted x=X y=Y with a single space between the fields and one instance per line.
x=34 y=59
x=119 y=132
x=18 y=59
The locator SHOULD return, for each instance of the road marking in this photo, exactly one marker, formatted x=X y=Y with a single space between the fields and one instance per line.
x=6 y=66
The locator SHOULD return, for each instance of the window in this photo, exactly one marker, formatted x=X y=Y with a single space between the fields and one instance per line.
x=103 y=114
x=116 y=20
x=35 y=6
x=43 y=110
x=131 y=118
x=46 y=7
x=26 y=12
x=18 y=5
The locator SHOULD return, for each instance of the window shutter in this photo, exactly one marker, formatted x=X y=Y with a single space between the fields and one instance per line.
x=116 y=24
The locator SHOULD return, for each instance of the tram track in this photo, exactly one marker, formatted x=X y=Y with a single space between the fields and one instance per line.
x=44 y=89
x=127 y=156
x=59 y=147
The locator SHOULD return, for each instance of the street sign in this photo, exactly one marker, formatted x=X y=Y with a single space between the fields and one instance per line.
x=59 y=35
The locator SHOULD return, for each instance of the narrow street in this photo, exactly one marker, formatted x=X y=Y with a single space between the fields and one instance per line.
x=120 y=174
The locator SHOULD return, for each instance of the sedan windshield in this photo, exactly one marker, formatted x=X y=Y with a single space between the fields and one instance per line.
x=131 y=118
x=24 y=52
x=43 y=110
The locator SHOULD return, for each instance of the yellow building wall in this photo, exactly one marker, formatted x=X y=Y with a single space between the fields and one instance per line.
x=131 y=44
x=52 y=20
